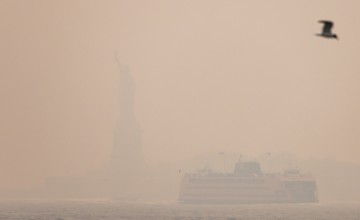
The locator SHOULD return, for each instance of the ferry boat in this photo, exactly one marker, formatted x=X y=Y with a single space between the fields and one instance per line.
x=248 y=184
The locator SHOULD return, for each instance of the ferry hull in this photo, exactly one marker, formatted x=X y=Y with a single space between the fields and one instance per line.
x=247 y=189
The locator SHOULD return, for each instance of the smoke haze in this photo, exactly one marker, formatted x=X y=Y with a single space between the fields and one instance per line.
x=247 y=77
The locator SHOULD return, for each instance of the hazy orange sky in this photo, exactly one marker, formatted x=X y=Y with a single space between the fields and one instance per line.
x=236 y=76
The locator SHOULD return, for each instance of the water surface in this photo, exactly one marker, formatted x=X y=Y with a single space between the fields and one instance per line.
x=66 y=210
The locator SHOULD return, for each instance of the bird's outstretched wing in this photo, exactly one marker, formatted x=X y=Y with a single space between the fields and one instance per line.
x=327 y=26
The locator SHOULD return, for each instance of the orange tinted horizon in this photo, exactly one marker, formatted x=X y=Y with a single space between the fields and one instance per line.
x=211 y=76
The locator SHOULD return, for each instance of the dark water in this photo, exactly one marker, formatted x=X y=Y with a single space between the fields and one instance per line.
x=112 y=210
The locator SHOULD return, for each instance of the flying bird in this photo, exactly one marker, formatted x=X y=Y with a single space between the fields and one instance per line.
x=326 y=31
